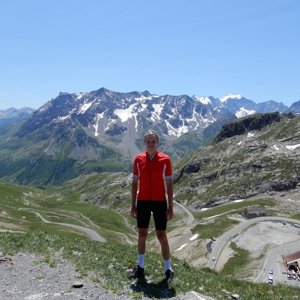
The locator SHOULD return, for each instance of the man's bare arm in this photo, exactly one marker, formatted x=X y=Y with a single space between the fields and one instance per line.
x=169 y=183
x=134 y=188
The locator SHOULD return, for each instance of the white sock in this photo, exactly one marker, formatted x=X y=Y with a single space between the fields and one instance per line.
x=141 y=260
x=168 y=265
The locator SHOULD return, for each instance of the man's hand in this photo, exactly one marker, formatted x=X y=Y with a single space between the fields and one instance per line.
x=134 y=212
x=169 y=214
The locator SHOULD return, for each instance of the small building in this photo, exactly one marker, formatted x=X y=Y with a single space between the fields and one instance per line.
x=254 y=212
x=292 y=262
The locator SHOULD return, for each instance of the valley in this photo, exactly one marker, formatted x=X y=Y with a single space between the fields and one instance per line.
x=236 y=202
x=193 y=234
x=201 y=238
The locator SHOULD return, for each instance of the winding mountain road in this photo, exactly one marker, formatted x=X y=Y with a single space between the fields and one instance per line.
x=190 y=218
x=89 y=232
x=222 y=240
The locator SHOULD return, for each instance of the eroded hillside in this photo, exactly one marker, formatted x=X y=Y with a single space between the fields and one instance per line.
x=242 y=166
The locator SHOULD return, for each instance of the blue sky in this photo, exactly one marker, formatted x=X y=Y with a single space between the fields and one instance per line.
x=193 y=47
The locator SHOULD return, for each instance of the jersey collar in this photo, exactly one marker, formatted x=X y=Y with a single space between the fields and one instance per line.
x=152 y=156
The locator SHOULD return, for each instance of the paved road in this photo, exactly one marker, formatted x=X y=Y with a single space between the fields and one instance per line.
x=89 y=232
x=274 y=262
x=222 y=240
x=190 y=219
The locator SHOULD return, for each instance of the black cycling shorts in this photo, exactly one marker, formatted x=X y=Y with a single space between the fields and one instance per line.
x=159 y=210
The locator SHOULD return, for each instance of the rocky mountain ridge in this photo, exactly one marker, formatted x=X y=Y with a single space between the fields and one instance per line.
x=295 y=108
x=242 y=166
x=103 y=130
x=252 y=122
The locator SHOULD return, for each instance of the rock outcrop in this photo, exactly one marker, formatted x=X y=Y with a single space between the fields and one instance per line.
x=265 y=160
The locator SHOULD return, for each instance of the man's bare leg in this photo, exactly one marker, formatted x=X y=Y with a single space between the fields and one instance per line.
x=165 y=249
x=143 y=233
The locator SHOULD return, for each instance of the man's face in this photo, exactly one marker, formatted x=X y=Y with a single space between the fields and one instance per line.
x=151 y=142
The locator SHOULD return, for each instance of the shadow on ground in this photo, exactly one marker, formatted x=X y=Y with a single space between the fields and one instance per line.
x=153 y=290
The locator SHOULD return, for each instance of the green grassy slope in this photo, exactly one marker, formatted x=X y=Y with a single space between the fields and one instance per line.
x=111 y=263
x=20 y=204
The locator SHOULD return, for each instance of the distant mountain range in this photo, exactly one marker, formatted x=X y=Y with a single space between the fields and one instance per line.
x=12 y=115
x=102 y=131
x=295 y=108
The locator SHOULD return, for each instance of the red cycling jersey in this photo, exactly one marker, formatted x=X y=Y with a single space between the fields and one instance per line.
x=152 y=172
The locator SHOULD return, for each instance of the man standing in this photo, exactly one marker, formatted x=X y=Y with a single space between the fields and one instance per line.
x=152 y=172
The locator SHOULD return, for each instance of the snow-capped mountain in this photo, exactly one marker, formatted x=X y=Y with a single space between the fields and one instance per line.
x=241 y=106
x=121 y=118
x=102 y=130
x=211 y=101
x=110 y=113
x=104 y=113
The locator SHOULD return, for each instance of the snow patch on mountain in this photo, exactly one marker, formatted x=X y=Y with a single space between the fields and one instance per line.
x=109 y=124
x=176 y=131
x=96 y=125
x=157 y=108
x=61 y=119
x=155 y=115
x=181 y=247
x=203 y=100
x=44 y=107
x=125 y=114
x=65 y=117
x=78 y=96
x=207 y=121
x=194 y=119
x=142 y=98
x=194 y=237
x=85 y=107
x=230 y=96
x=136 y=123
x=292 y=147
x=242 y=112
x=183 y=129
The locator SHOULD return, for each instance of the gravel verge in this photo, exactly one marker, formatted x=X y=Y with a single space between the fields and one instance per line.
x=26 y=276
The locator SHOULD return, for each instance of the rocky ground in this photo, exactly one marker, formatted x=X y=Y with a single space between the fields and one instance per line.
x=28 y=277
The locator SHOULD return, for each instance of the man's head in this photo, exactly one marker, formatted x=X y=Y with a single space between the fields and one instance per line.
x=151 y=140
